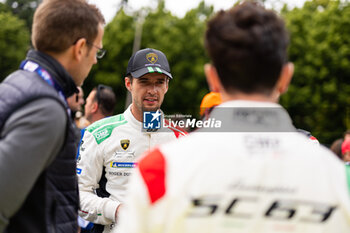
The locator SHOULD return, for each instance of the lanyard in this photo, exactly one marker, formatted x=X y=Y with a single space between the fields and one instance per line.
x=35 y=67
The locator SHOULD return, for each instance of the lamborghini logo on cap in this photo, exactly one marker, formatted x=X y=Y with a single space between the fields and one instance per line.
x=152 y=57
x=125 y=143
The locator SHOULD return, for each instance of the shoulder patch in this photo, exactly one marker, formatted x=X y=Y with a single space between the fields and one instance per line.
x=102 y=129
x=347 y=168
x=152 y=169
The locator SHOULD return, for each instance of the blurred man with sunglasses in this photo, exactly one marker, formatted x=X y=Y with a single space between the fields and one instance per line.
x=37 y=142
x=100 y=103
x=111 y=147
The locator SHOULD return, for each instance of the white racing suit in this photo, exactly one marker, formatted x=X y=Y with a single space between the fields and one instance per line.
x=259 y=176
x=109 y=150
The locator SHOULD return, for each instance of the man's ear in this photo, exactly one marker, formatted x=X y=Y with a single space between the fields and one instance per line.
x=128 y=83
x=212 y=78
x=78 y=49
x=285 y=78
x=94 y=107
x=167 y=84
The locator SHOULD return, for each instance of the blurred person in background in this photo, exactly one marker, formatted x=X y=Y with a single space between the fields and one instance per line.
x=38 y=183
x=336 y=148
x=76 y=102
x=208 y=103
x=100 y=103
x=261 y=176
x=345 y=150
x=347 y=134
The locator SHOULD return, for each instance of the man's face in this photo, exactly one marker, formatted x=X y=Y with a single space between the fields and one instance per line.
x=89 y=106
x=90 y=57
x=346 y=156
x=346 y=136
x=76 y=101
x=148 y=91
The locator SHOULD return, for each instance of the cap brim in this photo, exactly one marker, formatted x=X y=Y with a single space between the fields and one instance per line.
x=143 y=71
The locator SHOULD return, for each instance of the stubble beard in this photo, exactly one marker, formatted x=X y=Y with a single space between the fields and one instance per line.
x=150 y=109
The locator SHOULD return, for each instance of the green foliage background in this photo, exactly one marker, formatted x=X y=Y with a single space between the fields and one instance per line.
x=14 y=41
x=181 y=39
x=319 y=95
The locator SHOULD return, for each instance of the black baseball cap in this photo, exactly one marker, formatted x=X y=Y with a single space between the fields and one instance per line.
x=147 y=61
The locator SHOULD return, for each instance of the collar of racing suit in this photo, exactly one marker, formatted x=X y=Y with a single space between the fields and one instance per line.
x=135 y=123
x=56 y=70
x=251 y=116
x=131 y=119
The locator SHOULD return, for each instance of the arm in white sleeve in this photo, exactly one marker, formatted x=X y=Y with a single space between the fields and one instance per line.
x=89 y=169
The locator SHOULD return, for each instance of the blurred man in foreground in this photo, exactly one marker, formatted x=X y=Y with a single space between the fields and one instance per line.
x=254 y=174
x=39 y=191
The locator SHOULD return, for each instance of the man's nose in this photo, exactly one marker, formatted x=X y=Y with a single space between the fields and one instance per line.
x=152 y=88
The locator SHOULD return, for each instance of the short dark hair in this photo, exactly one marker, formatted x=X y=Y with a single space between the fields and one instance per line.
x=130 y=77
x=336 y=148
x=248 y=47
x=58 y=24
x=106 y=99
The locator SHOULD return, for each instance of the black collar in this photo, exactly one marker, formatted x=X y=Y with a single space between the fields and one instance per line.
x=56 y=70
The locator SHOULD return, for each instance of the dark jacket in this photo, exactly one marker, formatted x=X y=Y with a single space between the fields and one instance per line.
x=50 y=203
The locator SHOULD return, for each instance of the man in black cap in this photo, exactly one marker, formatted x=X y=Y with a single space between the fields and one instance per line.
x=148 y=75
x=111 y=146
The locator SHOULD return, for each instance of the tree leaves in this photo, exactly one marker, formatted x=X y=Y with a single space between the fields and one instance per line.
x=14 y=42
x=318 y=98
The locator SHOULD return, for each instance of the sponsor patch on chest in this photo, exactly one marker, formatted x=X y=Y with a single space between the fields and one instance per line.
x=123 y=165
